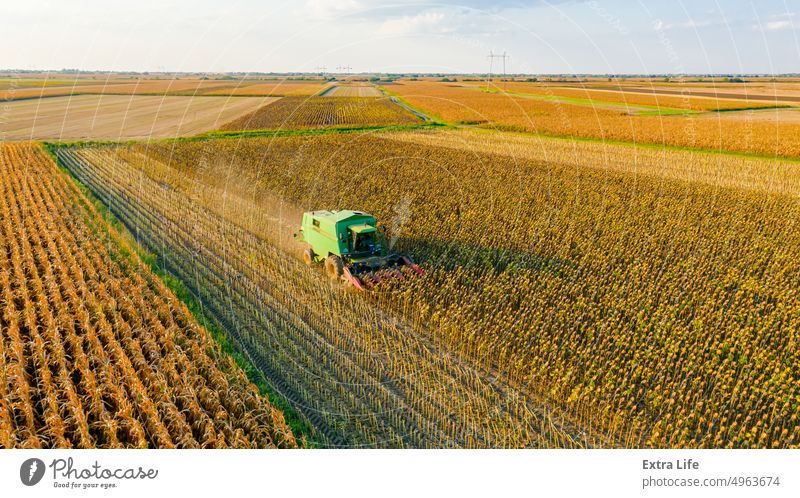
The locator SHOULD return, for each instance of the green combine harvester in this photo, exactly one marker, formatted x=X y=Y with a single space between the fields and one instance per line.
x=353 y=247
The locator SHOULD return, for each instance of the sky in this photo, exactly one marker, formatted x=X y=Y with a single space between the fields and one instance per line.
x=539 y=36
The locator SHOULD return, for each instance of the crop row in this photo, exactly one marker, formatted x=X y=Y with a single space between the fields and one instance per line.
x=648 y=301
x=358 y=374
x=94 y=350
x=316 y=112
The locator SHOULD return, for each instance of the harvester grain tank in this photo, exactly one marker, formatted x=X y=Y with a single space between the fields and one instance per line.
x=352 y=247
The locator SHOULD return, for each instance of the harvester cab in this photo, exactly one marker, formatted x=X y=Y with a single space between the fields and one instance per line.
x=363 y=239
x=352 y=247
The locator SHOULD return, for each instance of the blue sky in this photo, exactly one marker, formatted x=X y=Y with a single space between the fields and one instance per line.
x=596 y=36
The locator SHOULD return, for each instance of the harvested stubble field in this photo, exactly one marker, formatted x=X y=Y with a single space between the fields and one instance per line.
x=94 y=350
x=116 y=117
x=775 y=117
x=322 y=112
x=13 y=83
x=287 y=88
x=114 y=86
x=457 y=104
x=644 y=305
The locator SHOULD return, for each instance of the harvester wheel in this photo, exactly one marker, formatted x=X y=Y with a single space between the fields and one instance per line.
x=308 y=257
x=334 y=266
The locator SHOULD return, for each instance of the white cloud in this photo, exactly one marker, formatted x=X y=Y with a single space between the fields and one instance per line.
x=690 y=24
x=423 y=22
x=325 y=9
x=777 y=25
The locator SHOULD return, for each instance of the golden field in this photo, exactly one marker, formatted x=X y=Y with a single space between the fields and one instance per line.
x=628 y=96
x=94 y=350
x=634 y=299
x=287 y=88
x=607 y=264
x=456 y=104
x=321 y=112
x=17 y=89
x=360 y=375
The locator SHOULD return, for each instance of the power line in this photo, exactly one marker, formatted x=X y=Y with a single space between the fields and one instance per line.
x=492 y=56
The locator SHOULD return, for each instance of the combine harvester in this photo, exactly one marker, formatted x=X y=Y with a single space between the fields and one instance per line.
x=353 y=248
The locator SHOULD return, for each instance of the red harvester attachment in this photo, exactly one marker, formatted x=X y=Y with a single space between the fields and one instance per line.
x=369 y=272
